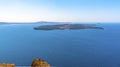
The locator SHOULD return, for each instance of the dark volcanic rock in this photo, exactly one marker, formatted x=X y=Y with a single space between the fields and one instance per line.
x=67 y=26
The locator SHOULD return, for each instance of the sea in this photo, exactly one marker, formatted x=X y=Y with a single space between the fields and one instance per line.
x=21 y=44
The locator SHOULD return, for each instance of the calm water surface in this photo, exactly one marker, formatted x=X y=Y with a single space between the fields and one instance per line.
x=20 y=44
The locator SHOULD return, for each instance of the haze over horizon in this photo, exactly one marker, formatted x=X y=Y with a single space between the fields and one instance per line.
x=60 y=10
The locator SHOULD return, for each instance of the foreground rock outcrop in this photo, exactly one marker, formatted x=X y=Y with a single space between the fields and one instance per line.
x=7 y=65
x=39 y=63
x=67 y=26
x=36 y=63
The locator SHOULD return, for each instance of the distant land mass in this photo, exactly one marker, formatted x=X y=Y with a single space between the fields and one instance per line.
x=2 y=23
x=58 y=25
x=17 y=23
x=68 y=26
x=38 y=22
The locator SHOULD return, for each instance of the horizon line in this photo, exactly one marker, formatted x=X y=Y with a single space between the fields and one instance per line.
x=60 y=21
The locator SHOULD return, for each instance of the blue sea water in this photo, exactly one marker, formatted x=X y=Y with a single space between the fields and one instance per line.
x=21 y=44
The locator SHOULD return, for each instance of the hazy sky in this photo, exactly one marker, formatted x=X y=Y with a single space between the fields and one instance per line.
x=60 y=10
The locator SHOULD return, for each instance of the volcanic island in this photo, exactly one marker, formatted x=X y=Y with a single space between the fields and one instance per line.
x=67 y=27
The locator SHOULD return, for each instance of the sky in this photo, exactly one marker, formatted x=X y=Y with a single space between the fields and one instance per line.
x=60 y=10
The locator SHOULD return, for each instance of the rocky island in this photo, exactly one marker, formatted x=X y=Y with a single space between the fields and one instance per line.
x=67 y=26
